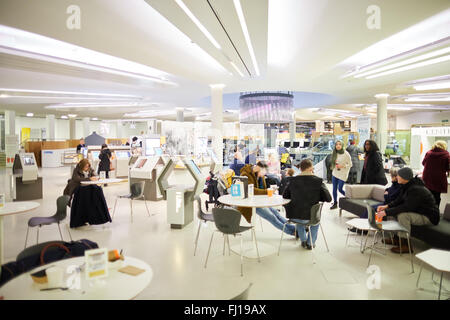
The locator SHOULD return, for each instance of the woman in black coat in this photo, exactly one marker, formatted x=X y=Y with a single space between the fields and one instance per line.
x=373 y=170
x=105 y=160
x=82 y=172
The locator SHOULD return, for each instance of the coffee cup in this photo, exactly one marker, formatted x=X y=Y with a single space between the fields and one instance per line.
x=54 y=276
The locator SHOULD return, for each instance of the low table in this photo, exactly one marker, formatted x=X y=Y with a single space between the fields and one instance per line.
x=117 y=286
x=257 y=201
x=102 y=181
x=438 y=259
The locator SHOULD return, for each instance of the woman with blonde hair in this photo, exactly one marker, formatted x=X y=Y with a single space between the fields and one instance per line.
x=435 y=167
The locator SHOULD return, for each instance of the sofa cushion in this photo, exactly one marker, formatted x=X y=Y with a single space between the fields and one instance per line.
x=356 y=206
x=436 y=236
x=358 y=191
x=378 y=193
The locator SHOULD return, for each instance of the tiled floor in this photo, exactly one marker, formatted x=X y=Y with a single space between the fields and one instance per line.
x=339 y=274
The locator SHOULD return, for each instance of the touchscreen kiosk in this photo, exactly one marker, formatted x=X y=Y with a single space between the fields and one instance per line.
x=25 y=182
x=121 y=162
x=147 y=169
x=150 y=145
x=158 y=151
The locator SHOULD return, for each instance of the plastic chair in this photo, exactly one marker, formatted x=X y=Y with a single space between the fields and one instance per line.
x=137 y=192
x=60 y=215
x=316 y=213
x=227 y=222
x=389 y=226
x=202 y=217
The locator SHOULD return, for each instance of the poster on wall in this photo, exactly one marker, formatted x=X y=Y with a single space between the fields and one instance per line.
x=363 y=125
x=11 y=148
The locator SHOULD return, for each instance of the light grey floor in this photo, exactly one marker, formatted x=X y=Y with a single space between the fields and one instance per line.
x=340 y=274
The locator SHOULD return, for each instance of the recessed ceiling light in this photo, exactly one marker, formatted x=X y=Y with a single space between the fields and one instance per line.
x=94 y=119
x=432 y=86
x=64 y=117
x=30 y=114
x=72 y=115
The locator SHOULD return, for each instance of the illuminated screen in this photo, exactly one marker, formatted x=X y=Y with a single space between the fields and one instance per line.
x=95 y=154
x=150 y=145
x=141 y=163
x=28 y=160
x=84 y=152
x=158 y=151
x=194 y=166
x=266 y=107
x=122 y=154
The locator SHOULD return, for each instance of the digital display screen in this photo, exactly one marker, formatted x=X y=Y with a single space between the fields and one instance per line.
x=266 y=108
x=150 y=145
x=141 y=163
x=84 y=152
x=28 y=160
x=296 y=144
x=287 y=144
x=95 y=154
x=122 y=154
x=194 y=166
x=158 y=151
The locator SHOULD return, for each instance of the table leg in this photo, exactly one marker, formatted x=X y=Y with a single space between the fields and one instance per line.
x=440 y=287
x=1 y=242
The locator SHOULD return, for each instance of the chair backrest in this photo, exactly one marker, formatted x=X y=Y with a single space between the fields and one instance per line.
x=244 y=294
x=61 y=207
x=137 y=189
x=227 y=220
x=316 y=213
x=371 y=216
x=200 y=212
x=447 y=212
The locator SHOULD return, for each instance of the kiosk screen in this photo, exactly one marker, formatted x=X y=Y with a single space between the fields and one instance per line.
x=141 y=163
x=95 y=154
x=158 y=151
x=28 y=160
x=122 y=154
x=194 y=166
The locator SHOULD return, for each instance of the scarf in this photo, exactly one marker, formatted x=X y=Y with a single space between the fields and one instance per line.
x=334 y=155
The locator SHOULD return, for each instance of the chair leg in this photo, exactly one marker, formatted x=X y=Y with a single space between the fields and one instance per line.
x=115 y=204
x=228 y=243
x=37 y=237
x=26 y=238
x=224 y=239
x=410 y=254
x=373 y=245
x=210 y=242
x=256 y=244
x=340 y=212
x=196 y=238
x=346 y=240
x=131 y=206
x=281 y=239
x=68 y=230
x=323 y=234
x=365 y=242
x=148 y=212
x=400 y=243
x=260 y=220
x=420 y=272
x=242 y=259
x=59 y=228
x=440 y=286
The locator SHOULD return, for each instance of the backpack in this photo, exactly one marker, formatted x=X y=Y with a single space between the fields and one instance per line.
x=44 y=253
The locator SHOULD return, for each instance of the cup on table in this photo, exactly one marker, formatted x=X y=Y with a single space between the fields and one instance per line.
x=54 y=277
x=102 y=174
x=378 y=219
x=270 y=192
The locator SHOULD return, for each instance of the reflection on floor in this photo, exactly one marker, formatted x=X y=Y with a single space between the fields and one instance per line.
x=339 y=274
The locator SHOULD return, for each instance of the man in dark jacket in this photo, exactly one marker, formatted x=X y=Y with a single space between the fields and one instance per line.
x=305 y=190
x=415 y=205
x=354 y=151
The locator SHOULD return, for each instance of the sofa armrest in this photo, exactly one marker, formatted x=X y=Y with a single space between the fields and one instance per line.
x=378 y=192
x=359 y=191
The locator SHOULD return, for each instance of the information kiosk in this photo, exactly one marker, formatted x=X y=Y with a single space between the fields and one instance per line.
x=148 y=169
x=180 y=198
x=122 y=160
x=26 y=184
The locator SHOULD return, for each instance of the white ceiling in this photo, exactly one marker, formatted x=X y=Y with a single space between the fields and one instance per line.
x=300 y=45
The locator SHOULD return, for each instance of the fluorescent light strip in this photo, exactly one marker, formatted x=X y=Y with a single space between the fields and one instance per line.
x=236 y=68
x=90 y=105
x=69 y=93
x=427 y=99
x=197 y=23
x=411 y=66
x=405 y=62
x=432 y=86
x=240 y=13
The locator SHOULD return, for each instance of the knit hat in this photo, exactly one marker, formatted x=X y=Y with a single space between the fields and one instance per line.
x=406 y=173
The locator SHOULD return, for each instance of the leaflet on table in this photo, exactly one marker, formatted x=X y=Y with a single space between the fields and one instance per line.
x=96 y=263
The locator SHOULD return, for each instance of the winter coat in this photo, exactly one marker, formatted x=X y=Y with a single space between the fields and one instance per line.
x=393 y=192
x=354 y=151
x=88 y=205
x=105 y=162
x=436 y=165
x=374 y=171
x=344 y=160
x=304 y=190
x=415 y=197
x=247 y=171
x=77 y=177
x=236 y=166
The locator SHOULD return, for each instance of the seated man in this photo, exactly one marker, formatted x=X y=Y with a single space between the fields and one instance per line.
x=256 y=177
x=305 y=190
x=415 y=205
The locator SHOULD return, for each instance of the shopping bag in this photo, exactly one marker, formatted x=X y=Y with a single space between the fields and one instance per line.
x=237 y=190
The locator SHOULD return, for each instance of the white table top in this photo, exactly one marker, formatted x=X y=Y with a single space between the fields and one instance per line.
x=102 y=181
x=438 y=259
x=258 y=201
x=359 y=223
x=18 y=207
x=117 y=286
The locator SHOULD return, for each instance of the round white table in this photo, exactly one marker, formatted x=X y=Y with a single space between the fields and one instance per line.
x=257 y=201
x=117 y=286
x=11 y=208
x=438 y=259
x=102 y=181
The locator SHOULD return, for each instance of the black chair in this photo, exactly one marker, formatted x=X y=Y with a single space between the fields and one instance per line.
x=60 y=215
x=227 y=221
x=202 y=217
x=137 y=192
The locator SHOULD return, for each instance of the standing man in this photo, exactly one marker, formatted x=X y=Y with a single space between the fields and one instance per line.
x=81 y=145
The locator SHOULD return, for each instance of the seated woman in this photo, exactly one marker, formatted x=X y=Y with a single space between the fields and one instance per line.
x=82 y=172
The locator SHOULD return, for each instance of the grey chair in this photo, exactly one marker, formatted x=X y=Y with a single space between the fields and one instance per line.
x=387 y=226
x=316 y=214
x=244 y=294
x=202 y=217
x=227 y=221
x=137 y=192
x=60 y=215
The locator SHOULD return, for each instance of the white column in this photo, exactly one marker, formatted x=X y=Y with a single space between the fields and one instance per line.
x=320 y=126
x=50 y=119
x=382 y=100
x=119 y=133
x=353 y=127
x=151 y=126
x=292 y=132
x=158 y=127
x=180 y=114
x=10 y=122
x=86 y=129
x=72 y=129
x=217 y=121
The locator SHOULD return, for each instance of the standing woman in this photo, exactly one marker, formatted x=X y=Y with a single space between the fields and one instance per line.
x=373 y=170
x=105 y=160
x=435 y=168
x=341 y=162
